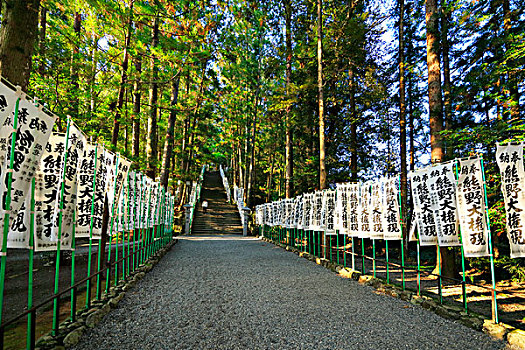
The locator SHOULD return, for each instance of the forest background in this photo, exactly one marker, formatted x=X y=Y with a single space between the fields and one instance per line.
x=290 y=95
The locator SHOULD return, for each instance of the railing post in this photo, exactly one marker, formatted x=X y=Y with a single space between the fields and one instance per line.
x=187 y=209
x=246 y=213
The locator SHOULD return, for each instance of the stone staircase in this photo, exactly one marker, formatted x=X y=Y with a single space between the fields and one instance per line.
x=221 y=216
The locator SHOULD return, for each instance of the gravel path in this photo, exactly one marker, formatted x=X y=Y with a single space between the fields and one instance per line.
x=234 y=293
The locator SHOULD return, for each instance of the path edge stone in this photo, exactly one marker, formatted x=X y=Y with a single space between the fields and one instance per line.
x=70 y=333
x=515 y=338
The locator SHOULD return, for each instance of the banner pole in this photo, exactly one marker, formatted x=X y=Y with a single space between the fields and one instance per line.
x=387 y=263
x=402 y=237
x=59 y=235
x=128 y=208
x=363 y=255
x=31 y=317
x=463 y=283
x=344 y=250
x=73 y=304
x=491 y=251
x=353 y=253
x=374 y=256
x=7 y=214
x=94 y=188
x=110 y=236
x=418 y=267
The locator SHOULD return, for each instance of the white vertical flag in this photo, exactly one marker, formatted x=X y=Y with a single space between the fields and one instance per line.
x=442 y=186
x=353 y=209
x=376 y=210
x=471 y=209
x=329 y=212
x=423 y=211
x=510 y=162
x=342 y=208
x=365 y=211
x=391 y=216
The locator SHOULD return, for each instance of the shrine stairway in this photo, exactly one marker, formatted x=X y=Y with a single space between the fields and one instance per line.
x=221 y=216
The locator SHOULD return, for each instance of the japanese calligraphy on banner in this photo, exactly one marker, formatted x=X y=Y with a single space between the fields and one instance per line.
x=471 y=209
x=510 y=162
x=353 y=209
x=299 y=212
x=376 y=210
x=34 y=129
x=288 y=213
x=111 y=173
x=19 y=232
x=341 y=222
x=317 y=204
x=76 y=143
x=47 y=196
x=423 y=210
x=329 y=212
x=391 y=216
x=307 y=208
x=85 y=201
x=442 y=190
x=8 y=99
x=365 y=211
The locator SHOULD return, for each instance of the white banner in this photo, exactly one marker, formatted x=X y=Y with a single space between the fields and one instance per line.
x=19 y=232
x=376 y=210
x=353 y=209
x=471 y=209
x=8 y=99
x=317 y=205
x=329 y=212
x=299 y=212
x=47 y=196
x=510 y=162
x=442 y=186
x=33 y=130
x=391 y=215
x=307 y=208
x=364 y=212
x=423 y=211
x=85 y=174
x=341 y=212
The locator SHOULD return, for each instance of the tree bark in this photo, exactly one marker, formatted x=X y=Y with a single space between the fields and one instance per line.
x=151 y=145
x=402 y=116
x=123 y=80
x=170 y=133
x=514 y=94
x=435 y=104
x=322 y=166
x=353 y=125
x=17 y=38
x=447 y=85
x=289 y=132
x=42 y=41
x=74 y=65
x=137 y=94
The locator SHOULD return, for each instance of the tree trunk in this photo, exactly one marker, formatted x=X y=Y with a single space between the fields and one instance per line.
x=353 y=125
x=74 y=67
x=17 y=38
x=514 y=94
x=322 y=166
x=137 y=94
x=435 y=105
x=168 y=143
x=42 y=41
x=402 y=117
x=151 y=145
x=447 y=85
x=289 y=132
x=123 y=80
